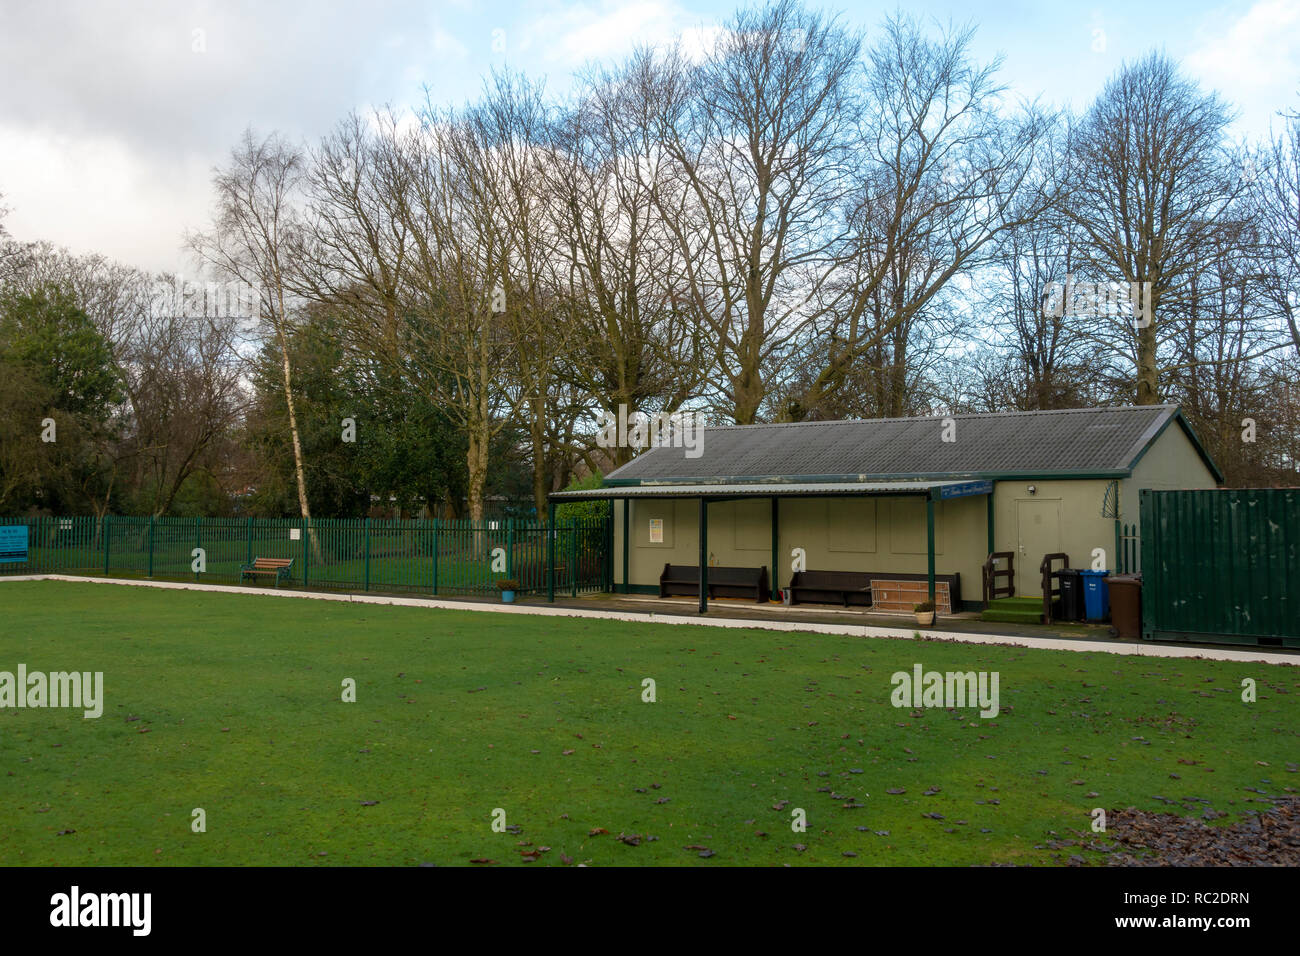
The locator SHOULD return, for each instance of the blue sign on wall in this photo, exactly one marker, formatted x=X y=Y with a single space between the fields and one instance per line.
x=13 y=544
x=965 y=489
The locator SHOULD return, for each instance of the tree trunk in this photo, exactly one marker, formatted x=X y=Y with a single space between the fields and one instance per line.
x=537 y=428
x=299 y=469
x=477 y=462
x=1148 y=384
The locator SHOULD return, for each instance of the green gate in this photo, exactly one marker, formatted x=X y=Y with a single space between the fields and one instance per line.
x=1221 y=566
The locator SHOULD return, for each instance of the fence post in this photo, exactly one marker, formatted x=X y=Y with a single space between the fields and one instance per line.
x=366 y=531
x=510 y=548
x=198 y=539
x=306 y=550
x=249 y=560
x=103 y=526
x=436 y=548
x=550 y=552
x=573 y=558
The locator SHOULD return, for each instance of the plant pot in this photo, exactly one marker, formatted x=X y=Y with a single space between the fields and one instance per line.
x=507 y=597
x=925 y=618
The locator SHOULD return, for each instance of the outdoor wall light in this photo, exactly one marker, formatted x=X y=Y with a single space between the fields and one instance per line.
x=1032 y=489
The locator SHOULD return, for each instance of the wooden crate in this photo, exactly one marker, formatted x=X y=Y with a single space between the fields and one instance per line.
x=901 y=596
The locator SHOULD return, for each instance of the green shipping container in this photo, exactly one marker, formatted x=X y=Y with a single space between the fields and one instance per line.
x=1221 y=566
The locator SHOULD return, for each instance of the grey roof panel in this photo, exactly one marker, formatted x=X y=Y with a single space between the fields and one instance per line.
x=1079 y=441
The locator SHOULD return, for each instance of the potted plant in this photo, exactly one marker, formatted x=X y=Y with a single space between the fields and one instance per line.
x=924 y=612
x=508 y=587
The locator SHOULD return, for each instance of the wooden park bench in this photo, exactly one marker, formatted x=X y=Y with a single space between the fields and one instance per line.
x=681 y=579
x=281 y=568
x=831 y=587
x=879 y=590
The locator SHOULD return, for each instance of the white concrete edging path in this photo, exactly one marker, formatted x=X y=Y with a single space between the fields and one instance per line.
x=1143 y=649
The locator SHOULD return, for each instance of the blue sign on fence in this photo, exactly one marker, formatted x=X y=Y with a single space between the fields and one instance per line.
x=13 y=544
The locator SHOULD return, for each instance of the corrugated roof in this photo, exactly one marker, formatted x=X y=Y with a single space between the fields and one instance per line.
x=767 y=489
x=1089 y=441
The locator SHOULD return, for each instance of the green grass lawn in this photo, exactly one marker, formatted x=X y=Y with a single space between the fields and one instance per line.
x=232 y=703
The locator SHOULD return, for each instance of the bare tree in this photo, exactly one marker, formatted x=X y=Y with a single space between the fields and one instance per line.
x=255 y=231
x=180 y=369
x=943 y=173
x=759 y=158
x=1148 y=176
x=617 y=270
x=1275 y=208
x=452 y=339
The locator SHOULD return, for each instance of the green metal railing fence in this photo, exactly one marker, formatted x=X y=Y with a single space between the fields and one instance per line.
x=1128 y=547
x=434 y=557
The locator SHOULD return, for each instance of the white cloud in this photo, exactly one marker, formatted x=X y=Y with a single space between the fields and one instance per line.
x=99 y=194
x=1253 y=59
x=569 y=36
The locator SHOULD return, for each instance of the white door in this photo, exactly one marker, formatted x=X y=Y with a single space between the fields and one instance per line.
x=1038 y=532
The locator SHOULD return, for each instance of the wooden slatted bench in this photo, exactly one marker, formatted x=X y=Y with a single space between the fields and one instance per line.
x=681 y=579
x=281 y=568
x=831 y=587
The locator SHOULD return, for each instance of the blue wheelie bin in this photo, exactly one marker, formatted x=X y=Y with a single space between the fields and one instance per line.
x=1096 y=595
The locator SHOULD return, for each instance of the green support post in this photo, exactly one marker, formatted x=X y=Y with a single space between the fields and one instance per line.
x=627 y=536
x=609 y=549
x=366 y=531
x=198 y=537
x=306 y=552
x=103 y=526
x=573 y=558
x=929 y=547
x=550 y=551
x=151 y=523
x=776 y=514
x=704 y=554
x=988 y=520
x=249 y=561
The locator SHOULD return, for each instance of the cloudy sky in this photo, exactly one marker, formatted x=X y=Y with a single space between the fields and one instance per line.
x=112 y=114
